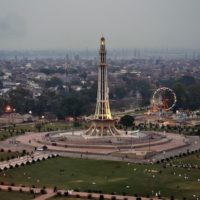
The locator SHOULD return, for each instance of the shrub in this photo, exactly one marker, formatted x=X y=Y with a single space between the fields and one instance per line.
x=66 y=194
x=89 y=196
x=24 y=152
x=43 y=191
x=101 y=197
x=20 y=190
x=78 y=196
x=59 y=194
x=9 y=189
x=55 y=189
x=31 y=191
x=124 y=193
x=113 y=198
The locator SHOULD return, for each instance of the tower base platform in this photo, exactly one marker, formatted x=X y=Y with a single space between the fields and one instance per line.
x=104 y=127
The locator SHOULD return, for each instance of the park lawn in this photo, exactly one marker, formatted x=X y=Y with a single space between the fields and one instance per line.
x=60 y=125
x=5 y=195
x=30 y=127
x=106 y=176
x=4 y=135
x=193 y=159
x=8 y=155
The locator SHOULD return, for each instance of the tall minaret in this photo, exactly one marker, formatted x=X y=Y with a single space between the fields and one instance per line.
x=102 y=107
x=103 y=124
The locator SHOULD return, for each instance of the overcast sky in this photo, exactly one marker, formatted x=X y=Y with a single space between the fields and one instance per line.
x=78 y=24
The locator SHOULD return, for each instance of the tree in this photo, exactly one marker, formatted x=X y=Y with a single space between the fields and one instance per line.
x=21 y=99
x=127 y=121
x=38 y=126
x=53 y=82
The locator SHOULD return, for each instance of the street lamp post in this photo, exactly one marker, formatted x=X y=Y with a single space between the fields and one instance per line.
x=164 y=153
x=149 y=143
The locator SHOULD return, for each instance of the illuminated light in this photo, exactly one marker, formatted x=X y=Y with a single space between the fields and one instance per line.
x=8 y=108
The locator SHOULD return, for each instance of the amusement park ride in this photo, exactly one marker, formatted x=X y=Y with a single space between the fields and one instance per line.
x=163 y=102
x=164 y=99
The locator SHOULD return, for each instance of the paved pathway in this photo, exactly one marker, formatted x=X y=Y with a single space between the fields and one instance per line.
x=45 y=196
x=24 y=159
x=51 y=193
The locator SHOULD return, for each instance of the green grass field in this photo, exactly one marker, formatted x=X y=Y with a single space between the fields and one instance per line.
x=193 y=159
x=109 y=176
x=19 y=129
x=15 y=196
x=8 y=155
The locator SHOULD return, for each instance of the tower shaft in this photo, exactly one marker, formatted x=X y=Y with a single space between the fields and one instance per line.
x=102 y=107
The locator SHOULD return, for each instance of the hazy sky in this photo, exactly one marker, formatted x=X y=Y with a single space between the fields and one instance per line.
x=65 y=24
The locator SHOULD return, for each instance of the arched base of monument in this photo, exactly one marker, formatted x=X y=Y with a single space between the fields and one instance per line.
x=102 y=128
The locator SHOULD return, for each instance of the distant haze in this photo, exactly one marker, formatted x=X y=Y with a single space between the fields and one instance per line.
x=78 y=24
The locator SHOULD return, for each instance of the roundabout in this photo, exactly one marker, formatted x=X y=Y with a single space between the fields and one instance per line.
x=129 y=146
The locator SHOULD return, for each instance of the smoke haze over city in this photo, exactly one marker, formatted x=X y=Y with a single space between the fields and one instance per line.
x=74 y=24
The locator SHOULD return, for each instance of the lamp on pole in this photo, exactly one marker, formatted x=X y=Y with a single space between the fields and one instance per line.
x=149 y=141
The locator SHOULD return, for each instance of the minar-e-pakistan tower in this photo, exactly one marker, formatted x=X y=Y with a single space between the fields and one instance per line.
x=103 y=123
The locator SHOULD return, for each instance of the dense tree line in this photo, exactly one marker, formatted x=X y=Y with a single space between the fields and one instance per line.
x=187 y=90
x=130 y=87
x=61 y=103
x=67 y=102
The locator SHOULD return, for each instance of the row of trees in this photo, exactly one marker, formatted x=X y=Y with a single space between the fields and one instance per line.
x=187 y=90
x=75 y=103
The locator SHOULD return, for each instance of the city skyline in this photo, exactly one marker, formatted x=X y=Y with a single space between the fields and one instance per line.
x=37 y=25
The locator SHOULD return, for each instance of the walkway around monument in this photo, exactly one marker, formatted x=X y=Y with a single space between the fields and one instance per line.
x=50 y=193
x=25 y=160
